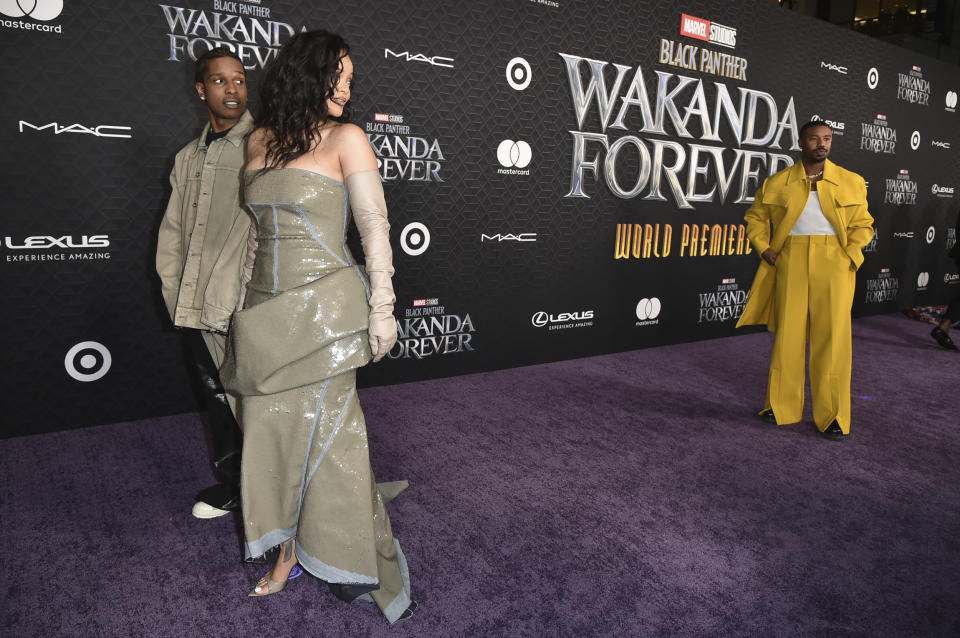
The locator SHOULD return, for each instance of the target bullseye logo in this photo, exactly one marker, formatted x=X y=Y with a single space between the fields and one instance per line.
x=512 y=154
x=648 y=308
x=43 y=10
x=519 y=74
x=873 y=78
x=88 y=361
x=415 y=239
x=915 y=140
x=931 y=233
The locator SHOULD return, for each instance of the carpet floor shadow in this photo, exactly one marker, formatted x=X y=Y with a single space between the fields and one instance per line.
x=633 y=494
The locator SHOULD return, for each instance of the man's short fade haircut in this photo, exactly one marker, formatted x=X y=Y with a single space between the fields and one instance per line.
x=204 y=61
x=811 y=124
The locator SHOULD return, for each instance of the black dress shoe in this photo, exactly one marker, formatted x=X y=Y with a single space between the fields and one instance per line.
x=943 y=339
x=767 y=415
x=349 y=593
x=221 y=496
x=833 y=432
x=409 y=611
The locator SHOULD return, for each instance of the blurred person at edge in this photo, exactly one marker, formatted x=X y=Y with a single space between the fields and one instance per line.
x=805 y=283
x=952 y=313
x=308 y=318
x=200 y=248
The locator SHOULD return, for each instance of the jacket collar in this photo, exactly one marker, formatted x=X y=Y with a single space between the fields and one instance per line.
x=831 y=172
x=236 y=135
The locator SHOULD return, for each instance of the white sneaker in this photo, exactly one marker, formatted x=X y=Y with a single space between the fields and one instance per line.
x=204 y=510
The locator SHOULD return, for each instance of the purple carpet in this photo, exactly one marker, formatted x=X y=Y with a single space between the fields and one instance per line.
x=633 y=494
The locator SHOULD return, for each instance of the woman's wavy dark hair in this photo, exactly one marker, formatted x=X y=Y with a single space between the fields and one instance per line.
x=294 y=93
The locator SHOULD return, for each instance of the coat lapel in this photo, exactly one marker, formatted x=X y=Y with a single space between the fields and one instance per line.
x=798 y=190
x=826 y=189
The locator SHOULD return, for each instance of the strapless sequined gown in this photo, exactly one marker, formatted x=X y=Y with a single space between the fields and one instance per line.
x=293 y=354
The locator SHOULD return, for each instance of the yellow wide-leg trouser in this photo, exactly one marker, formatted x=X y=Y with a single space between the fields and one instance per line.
x=815 y=282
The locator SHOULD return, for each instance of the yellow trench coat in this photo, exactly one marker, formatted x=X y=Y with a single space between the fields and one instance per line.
x=843 y=197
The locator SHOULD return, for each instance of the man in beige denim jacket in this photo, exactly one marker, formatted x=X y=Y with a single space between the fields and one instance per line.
x=200 y=249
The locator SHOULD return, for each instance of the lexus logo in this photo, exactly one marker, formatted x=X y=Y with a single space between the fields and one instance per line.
x=931 y=234
x=923 y=279
x=44 y=242
x=836 y=126
x=518 y=74
x=540 y=319
x=648 y=308
x=915 y=140
x=37 y=9
x=873 y=78
x=512 y=154
x=415 y=239
x=88 y=361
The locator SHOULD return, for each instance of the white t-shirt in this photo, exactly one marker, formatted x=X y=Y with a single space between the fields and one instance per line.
x=811 y=220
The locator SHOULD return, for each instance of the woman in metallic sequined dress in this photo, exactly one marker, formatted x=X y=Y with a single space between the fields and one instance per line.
x=310 y=318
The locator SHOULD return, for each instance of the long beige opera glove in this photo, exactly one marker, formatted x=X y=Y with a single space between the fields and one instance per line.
x=246 y=270
x=365 y=193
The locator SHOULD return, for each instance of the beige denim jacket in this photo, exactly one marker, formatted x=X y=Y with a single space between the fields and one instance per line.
x=202 y=237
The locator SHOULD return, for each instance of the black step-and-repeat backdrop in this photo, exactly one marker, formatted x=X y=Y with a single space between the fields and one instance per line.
x=565 y=178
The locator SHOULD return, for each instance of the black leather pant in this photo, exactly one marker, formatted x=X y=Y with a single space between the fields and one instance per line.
x=953 y=311
x=226 y=440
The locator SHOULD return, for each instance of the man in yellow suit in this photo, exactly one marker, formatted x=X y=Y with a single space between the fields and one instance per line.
x=805 y=284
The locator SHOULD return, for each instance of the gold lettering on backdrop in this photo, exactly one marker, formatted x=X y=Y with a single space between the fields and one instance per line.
x=702 y=240
x=685 y=56
x=643 y=241
x=655 y=241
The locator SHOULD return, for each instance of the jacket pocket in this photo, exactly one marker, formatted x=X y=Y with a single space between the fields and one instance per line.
x=778 y=199
x=844 y=199
x=847 y=204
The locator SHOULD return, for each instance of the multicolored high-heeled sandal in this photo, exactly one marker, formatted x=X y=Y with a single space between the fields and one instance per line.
x=273 y=587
